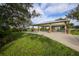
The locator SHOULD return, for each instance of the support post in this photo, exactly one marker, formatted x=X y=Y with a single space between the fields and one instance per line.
x=44 y=28
x=38 y=28
x=32 y=28
x=66 y=29
x=50 y=29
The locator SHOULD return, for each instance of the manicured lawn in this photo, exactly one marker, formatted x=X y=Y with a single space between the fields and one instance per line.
x=32 y=44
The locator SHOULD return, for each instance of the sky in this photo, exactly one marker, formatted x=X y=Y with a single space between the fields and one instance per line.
x=52 y=11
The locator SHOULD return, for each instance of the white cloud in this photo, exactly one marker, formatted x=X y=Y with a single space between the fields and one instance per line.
x=44 y=19
x=38 y=9
x=48 y=9
x=58 y=8
x=43 y=6
x=75 y=22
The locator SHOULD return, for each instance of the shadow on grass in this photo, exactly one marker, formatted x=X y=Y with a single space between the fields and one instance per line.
x=13 y=36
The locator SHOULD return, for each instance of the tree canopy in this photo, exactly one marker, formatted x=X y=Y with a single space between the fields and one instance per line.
x=16 y=14
x=74 y=14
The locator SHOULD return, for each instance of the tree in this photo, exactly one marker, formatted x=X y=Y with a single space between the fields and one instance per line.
x=74 y=14
x=15 y=15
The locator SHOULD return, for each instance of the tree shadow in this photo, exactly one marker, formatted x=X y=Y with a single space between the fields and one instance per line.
x=13 y=36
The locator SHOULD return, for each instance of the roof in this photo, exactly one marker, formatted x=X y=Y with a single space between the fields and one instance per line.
x=57 y=21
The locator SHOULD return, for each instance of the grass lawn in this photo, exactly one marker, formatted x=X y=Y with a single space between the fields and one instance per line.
x=75 y=32
x=32 y=44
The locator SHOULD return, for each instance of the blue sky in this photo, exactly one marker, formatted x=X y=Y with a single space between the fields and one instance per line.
x=51 y=11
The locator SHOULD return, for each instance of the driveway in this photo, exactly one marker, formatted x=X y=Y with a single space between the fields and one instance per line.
x=69 y=40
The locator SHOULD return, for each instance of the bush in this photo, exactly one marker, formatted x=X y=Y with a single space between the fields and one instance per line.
x=4 y=33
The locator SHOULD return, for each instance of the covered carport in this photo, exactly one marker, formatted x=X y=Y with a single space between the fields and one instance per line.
x=53 y=25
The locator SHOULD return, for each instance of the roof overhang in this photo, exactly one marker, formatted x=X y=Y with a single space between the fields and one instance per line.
x=54 y=23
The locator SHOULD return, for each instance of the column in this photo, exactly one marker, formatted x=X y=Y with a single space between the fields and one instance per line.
x=66 y=30
x=44 y=28
x=38 y=28
x=68 y=27
x=32 y=28
x=50 y=29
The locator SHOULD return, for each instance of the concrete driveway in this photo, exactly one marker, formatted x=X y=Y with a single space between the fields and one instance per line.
x=69 y=40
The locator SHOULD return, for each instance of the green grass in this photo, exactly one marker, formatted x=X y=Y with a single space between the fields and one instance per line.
x=32 y=44
x=75 y=32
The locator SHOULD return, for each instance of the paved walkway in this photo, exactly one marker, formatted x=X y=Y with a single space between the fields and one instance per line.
x=71 y=41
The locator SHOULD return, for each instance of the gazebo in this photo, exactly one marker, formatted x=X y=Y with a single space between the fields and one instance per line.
x=53 y=24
